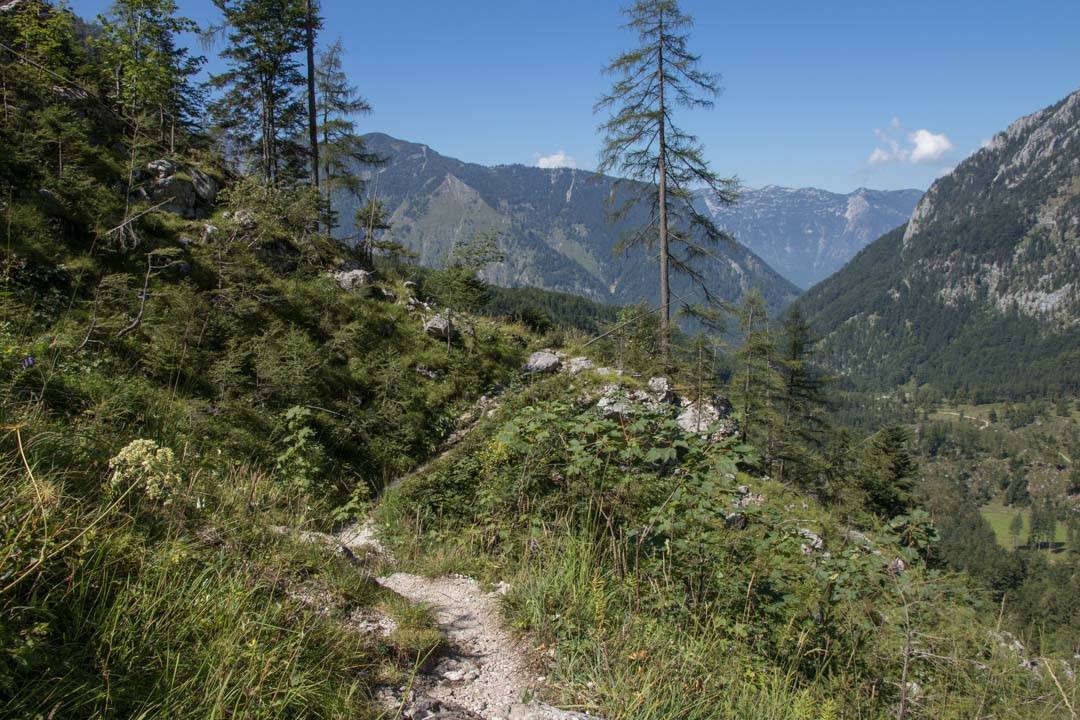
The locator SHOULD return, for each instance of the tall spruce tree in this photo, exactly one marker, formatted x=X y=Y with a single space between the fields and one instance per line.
x=150 y=76
x=312 y=24
x=801 y=403
x=341 y=150
x=642 y=143
x=261 y=112
x=755 y=382
x=887 y=472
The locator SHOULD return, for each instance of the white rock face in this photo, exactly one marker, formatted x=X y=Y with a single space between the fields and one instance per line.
x=579 y=364
x=352 y=279
x=660 y=385
x=542 y=361
x=698 y=416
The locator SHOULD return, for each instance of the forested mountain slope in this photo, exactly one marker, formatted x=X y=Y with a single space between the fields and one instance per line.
x=806 y=234
x=979 y=292
x=215 y=418
x=553 y=221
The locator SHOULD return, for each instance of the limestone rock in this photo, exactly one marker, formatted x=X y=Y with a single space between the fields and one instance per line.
x=746 y=498
x=579 y=364
x=707 y=417
x=206 y=187
x=352 y=279
x=697 y=417
x=813 y=541
x=542 y=362
x=426 y=372
x=186 y=191
x=661 y=387
x=177 y=193
x=163 y=168
x=617 y=401
x=440 y=327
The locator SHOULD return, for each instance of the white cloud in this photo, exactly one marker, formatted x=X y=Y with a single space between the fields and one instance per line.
x=923 y=147
x=879 y=157
x=555 y=160
x=928 y=147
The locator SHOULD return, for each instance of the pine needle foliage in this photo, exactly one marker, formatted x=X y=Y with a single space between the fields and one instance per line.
x=642 y=143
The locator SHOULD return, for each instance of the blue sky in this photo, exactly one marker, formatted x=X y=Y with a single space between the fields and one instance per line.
x=833 y=93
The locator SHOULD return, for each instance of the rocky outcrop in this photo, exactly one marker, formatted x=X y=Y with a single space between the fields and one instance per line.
x=704 y=416
x=579 y=364
x=707 y=416
x=619 y=402
x=352 y=279
x=543 y=361
x=440 y=327
x=812 y=542
x=182 y=189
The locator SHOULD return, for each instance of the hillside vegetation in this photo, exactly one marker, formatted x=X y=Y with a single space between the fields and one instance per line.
x=200 y=388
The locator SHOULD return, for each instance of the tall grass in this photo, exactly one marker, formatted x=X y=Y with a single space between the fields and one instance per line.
x=106 y=612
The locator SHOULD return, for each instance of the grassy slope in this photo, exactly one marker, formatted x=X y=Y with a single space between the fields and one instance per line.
x=1000 y=516
x=272 y=397
x=693 y=619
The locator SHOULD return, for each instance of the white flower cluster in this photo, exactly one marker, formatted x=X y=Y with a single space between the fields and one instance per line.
x=147 y=468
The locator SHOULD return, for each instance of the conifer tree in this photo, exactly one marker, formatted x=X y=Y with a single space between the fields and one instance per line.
x=260 y=111
x=887 y=472
x=150 y=77
x=312 y=24
x=801 y=401
x=755 y=382
x=643 y=144
x=1015 y=528
x=341 y=149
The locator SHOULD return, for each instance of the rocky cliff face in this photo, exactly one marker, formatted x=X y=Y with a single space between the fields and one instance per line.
x=982 y=287
x=553 y=221
x=807 y=234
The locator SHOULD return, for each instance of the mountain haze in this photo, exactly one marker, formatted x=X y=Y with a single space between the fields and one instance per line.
x=807 y=234
x=980 y=290
x=554 y=224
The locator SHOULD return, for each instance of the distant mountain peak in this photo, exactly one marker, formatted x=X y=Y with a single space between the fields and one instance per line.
x=806 y=234
x=554 y=222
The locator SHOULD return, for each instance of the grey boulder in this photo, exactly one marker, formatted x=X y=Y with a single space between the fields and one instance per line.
x=352 y=279
x=440 y=327
x=542 y=361
x=183 y=190
x=176 y=195
x=206 y=187
x=579 y=364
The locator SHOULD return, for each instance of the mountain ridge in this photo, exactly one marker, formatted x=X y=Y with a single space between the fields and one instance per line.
x=980 y=283
x=833 y=244
x=554 y=223
x=807 y=234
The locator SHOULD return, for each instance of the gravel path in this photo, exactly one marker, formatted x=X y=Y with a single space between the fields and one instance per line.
x=484 y=669
x=483 y=674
